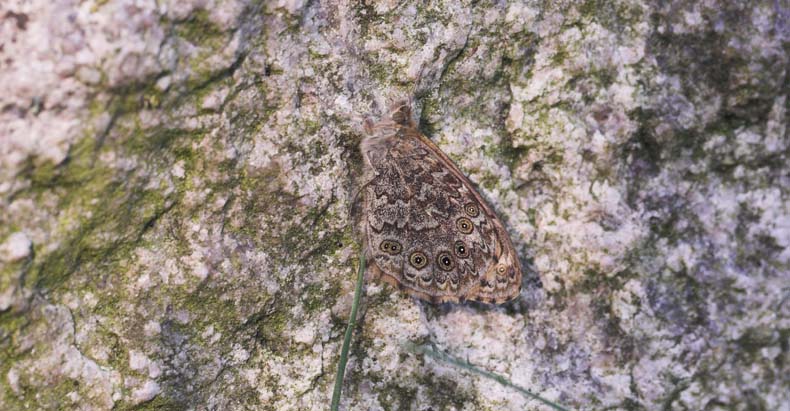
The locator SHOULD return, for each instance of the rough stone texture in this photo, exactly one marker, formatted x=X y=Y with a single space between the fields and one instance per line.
x=175 y=178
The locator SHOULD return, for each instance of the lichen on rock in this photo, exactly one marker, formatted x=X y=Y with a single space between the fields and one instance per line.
x=176 y=177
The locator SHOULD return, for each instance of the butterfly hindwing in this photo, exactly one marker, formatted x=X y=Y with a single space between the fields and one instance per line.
x=426 y=229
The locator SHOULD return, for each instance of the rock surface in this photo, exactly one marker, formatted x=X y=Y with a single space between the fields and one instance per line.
x=175 y=178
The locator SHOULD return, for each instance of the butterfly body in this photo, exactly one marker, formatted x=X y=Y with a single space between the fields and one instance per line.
x=425 y=228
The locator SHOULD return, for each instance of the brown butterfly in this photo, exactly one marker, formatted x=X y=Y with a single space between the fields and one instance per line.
x=425 y=229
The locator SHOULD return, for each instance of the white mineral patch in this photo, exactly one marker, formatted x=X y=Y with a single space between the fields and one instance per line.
x=16 y=247
x=215 y=99
x=239 y=354
x=152 y=328
x=137 y=360
x=147 y=392
x=201 y=271
x=13 y=379
x=305 y=334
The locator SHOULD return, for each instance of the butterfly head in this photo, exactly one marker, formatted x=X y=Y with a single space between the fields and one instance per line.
x=400 y=113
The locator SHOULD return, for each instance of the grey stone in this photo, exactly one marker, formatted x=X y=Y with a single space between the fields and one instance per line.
x=176 y=176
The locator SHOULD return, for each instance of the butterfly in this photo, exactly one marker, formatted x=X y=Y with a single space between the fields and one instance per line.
x=424 y=227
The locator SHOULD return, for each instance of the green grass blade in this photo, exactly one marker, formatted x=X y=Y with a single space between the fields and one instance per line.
x=442 y=356
x=352 y=322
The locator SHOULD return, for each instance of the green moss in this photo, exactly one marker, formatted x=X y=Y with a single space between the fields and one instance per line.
x=11 y=326
x=311 y=127
x=211 y=40
x=104 y=235
x=395 y=396
x=431 y=108
x=12 y=273
x=199 y=29
x=382 y=73
x=42 y=174
x=532 y=215
x=365 y=16
x=604 y=77
x=431 y=12
x=445 y=391
x=209 y=309
x=591 y=281
x=489 y=181
x=129 y=98
x=560 y=55
x=615 y=16
x=54 y=396
x=152 y=143
x=271 y=328
x=103 y=212
x=161 y=402
x=754 y=339
x=316 y=297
